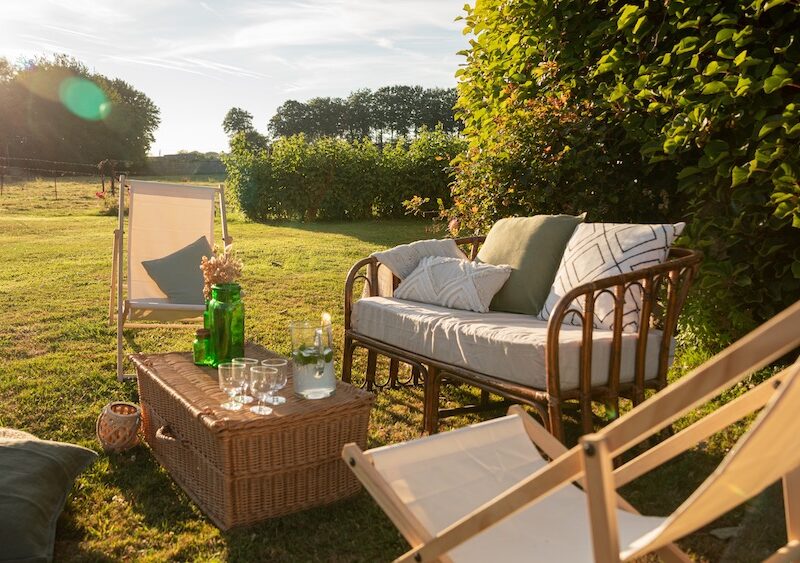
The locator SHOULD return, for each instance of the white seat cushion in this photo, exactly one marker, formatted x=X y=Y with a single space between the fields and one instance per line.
x=444 y=477
x=508 y=346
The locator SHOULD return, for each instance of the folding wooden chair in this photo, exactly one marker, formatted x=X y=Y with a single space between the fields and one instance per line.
x=163 y=221
x=485 y=492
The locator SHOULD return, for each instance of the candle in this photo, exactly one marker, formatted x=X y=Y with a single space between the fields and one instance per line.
x=326 y=324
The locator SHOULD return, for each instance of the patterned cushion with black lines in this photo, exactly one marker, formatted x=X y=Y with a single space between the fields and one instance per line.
x=453 y=283
x=602 y=250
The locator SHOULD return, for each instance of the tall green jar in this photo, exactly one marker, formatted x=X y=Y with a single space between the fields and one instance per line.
x=226 y=317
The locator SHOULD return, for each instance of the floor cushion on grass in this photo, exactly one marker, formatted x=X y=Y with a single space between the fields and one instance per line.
x=35 y=478
x=533 y=247
x=508 y=346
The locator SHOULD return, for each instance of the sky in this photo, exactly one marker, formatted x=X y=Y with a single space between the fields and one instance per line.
x=196 y=60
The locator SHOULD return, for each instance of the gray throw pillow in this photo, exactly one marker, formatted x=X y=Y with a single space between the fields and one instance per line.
x=532 y=246
x=35 y=479
x=453 y=283
x=178 y=275
x=403 y=259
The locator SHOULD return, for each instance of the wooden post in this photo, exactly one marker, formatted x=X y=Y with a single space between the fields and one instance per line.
x=55 y=185
x=223 y=217
x=601 y=497
x=121 y=309
x=791 y=504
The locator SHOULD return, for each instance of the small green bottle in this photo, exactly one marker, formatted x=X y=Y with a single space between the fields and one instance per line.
x=202 y=341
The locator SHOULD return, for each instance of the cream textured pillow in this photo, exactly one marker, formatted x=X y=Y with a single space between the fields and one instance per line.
x=453 y=283
x=602 y=250
x=403 y=259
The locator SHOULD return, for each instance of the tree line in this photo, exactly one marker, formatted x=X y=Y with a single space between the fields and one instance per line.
x=56 y=109
x=383 y=115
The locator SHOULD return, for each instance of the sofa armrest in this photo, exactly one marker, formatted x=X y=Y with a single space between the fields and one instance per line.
x=664 y=288
x=370 y=278
x=371 y=271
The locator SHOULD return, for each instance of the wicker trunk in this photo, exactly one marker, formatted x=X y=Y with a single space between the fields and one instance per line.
x=241 y=468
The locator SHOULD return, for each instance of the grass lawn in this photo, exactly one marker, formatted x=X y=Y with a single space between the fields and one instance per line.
x=57 y=356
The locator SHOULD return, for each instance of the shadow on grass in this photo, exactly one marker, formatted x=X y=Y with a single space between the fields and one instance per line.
x=149 y=489
x=380 y=232
x=340 y=531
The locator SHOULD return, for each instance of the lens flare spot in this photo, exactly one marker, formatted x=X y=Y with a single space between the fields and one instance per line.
x=84 y=98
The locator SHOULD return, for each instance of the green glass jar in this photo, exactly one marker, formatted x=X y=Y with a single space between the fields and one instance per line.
x=226 y=319
x=201 y=347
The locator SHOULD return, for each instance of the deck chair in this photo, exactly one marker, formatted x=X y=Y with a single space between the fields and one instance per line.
x=164 y=221
x=486 y=493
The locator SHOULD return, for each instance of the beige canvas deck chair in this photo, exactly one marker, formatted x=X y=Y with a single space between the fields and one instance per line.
x=485 y=493
x=166 y=225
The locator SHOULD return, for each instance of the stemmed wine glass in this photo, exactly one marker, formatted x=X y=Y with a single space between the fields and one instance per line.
x=231 y=380
x=261 y=382
x=282 y=365
x=248 y=363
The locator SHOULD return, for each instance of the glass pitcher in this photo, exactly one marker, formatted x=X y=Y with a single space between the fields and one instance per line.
x=312 y=357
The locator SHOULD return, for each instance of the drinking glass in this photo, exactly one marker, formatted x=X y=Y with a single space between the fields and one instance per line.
x=261 y=382
x=282 y=365
x=231 y=379
x=248 y=363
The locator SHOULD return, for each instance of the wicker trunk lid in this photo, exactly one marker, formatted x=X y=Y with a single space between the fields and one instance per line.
x=241 y=468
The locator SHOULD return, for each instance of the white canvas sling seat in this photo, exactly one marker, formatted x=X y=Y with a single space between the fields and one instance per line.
x=170 y=228
x=444 y=477
x=484 y=492
x=162 y=220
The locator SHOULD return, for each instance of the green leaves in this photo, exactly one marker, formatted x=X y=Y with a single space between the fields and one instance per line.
x=714 y=88
x=686 y=109
x=627 y=15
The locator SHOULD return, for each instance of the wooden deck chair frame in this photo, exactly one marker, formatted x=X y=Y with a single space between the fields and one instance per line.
x=590 y=463
x=118 y=306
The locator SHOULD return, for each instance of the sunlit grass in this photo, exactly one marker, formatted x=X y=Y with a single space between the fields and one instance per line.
x=57 y=371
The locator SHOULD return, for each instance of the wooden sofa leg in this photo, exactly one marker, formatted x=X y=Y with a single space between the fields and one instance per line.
x=394 y=368
x=555 y=422
x=586 y=415
x=416 y=375
x=433 y=383
x=347 y=360
x=372 y=364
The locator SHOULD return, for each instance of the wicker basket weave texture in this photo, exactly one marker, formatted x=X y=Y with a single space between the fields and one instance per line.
x=241 y=468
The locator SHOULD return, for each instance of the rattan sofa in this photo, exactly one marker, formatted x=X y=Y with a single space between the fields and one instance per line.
x=567 y=363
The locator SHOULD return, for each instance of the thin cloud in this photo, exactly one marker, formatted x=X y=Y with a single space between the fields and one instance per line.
x=84 y=35
x=160 y=63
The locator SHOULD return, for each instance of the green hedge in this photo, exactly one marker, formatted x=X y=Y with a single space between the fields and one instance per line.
x=647 y=111
x=331 y=178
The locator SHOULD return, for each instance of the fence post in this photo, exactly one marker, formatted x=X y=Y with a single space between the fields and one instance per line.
x=55 y=184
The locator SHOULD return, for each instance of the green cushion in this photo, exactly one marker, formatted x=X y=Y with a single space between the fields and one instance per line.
x=178 y=275
x=533 y=247
x=35 y=478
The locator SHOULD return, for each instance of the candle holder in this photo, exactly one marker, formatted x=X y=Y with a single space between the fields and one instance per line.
x=118 y=426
